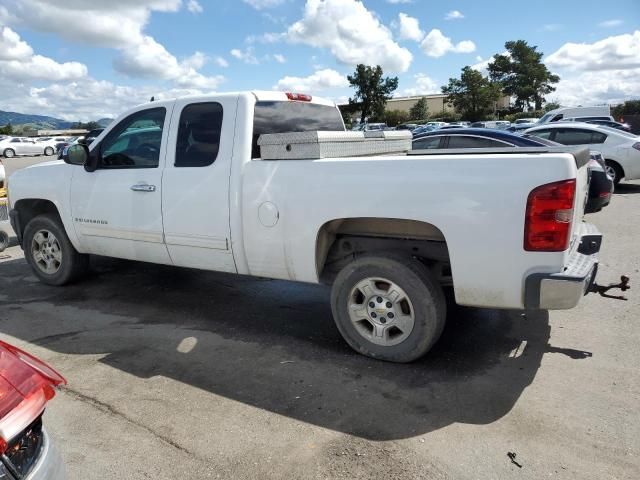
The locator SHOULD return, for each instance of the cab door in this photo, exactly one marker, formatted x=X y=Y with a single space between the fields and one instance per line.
x=195 y=185
x=117 y=210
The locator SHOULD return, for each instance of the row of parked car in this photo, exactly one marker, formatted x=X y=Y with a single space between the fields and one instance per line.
x=518 y=125
x=20 y=146
x=615 y=154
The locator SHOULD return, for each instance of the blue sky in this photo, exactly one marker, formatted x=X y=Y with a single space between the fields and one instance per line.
x=76 y=59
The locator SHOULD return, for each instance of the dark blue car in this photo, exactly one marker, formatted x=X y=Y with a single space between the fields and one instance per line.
x=476 y=138
x=601 y=185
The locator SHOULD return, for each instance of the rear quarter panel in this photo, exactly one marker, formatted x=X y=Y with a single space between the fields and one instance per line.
x=477 y=201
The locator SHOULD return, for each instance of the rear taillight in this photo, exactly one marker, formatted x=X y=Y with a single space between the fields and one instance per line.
x=548 y=217
x=26 y=384
x=636 y=145
x=300 y=97
x=36 y=364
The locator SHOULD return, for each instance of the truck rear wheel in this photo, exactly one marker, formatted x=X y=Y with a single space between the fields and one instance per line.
x=49 y=252
x=388 y=307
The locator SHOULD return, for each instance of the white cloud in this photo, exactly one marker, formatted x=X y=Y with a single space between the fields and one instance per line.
x=247 y=55
x=424 y=85
x=617 y=52
x=597 y=88
x=606 y=71
x=194 y=7
x=409 y=28
x=435 y=44
x=262 y=4
x=616 y=22
x=279 y=58
x=19 y=63
x=396 y=2
x=150 y=59
x=115 y=24
x=221 y=62
x=85 y=99
x=352 y=33
x=318 y=81
x=454 y=15
x=12 y=47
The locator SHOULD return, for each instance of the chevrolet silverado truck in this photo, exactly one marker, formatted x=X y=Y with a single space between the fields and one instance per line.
x=183 y=182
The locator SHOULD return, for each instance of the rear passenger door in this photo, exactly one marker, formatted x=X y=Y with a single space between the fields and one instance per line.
x=195 y=193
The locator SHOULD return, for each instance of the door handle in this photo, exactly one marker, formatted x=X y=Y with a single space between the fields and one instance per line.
x=143 y=187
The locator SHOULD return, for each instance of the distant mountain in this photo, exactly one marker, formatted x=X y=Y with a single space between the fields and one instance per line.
x=104 y=122
x=37 y=121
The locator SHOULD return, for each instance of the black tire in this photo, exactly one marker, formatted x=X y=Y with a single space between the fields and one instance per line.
x=9 y=153
x=72 y=264
x=617 y=169
x=48 y=151
x=423 y=291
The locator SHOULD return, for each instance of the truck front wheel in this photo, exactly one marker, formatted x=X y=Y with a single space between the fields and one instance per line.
x=388 y=307
x=49 y=252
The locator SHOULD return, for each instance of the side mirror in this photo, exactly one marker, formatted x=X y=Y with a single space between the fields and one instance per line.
x=76 y=155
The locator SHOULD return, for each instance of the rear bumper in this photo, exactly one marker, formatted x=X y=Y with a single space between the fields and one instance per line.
x=562 y=291
x=50 y=465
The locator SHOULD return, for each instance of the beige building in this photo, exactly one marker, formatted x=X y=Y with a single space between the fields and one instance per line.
x=435 y=103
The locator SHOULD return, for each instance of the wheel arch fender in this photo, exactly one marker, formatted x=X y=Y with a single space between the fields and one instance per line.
x=25 y=209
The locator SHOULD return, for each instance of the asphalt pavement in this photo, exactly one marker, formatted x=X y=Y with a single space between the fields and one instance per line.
x=175 y=373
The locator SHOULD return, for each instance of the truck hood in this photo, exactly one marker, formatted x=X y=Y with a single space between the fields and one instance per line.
x=14 y=170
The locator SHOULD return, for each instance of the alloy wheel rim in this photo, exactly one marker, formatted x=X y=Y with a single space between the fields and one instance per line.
x=611 y=172
x=381 y=311
x=46 y=252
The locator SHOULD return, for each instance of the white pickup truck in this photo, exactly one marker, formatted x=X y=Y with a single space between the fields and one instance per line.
x=182 y=182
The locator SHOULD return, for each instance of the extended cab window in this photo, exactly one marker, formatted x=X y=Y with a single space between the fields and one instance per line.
x=199 y=135
x=282 y=117
x=135 y=141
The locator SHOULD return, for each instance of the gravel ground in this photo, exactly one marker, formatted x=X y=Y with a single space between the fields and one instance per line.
x=187 y=374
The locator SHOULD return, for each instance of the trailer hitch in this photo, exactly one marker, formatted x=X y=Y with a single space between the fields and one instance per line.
x=602 y=289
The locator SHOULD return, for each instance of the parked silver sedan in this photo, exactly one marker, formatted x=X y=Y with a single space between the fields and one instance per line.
x=14 y=146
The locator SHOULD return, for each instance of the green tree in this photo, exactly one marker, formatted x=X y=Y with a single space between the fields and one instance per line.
x=372 y=90
x=551 y=106
x=522 y=74
x=630 y=107
x=7 y=129
x=393 y=118
x=86 y=126
x=473 y=95
x=420 y=110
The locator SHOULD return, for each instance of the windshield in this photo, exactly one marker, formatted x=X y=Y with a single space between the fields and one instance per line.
x=283 y=117
x=545 y=118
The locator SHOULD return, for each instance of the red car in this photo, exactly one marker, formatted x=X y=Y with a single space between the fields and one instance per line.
x=26 y=385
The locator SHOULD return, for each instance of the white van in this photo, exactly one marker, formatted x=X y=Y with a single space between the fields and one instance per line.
x=602 y=112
